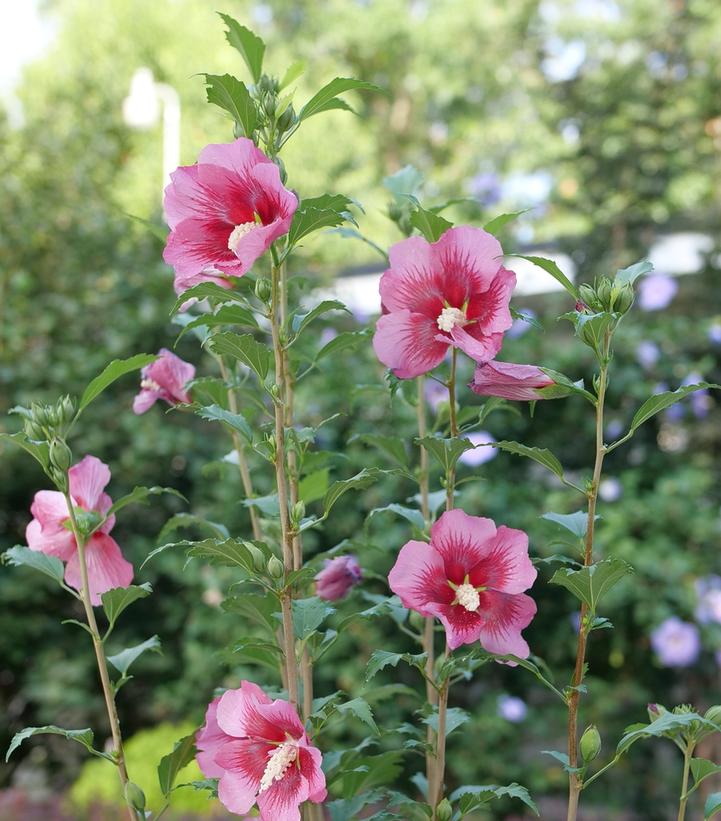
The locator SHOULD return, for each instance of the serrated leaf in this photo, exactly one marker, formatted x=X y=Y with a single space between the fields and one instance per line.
x=308 y=615
x=702 y=768
x=23 y=556
x=664 y=400
x=472 y=797
x=590 y=583
x=501 y=220
x=446 y=451
x=541 y=455
x=627 y=276
x=313 y=486
x=455 y=718
x=348 y=340
x=314 y=213
x=38 y=450
x=84 y=737
x=122 y=660
x=236 y=421
x=244 y=348
x=415 y=517
x=140 y=495
x=248 y=44
x=361 y=710
x=393 y=446
x=228 y=93
x=229 y=552
x=326 y=97
x=223 y=315
x=301 y=321
x=171 y=764
x=292 y=73
x=666 y=725
x=119 y=598
x=431 y=225
x=576 y=523
x=550 y=267
x=112 y=372
x=201 y=291
x=360 y=481
x=380 y=659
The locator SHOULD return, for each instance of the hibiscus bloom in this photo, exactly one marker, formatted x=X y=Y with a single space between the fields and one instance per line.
x=165 y=379
x=471 y=576
x=49 y=533
x=259 y=750
x=453 y=292
x=510 y=381
x=337 y=577
x=224 y=213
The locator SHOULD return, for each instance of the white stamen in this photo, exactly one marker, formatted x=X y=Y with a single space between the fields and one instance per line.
x=449 y=318
x=238 y=233
x=150 y=385
x=467 y=596
x=278 y=762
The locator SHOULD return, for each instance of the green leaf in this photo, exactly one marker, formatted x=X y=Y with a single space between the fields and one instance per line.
x=184 y=520
x=471 y=798
x=702 y=768
x=201 y=291
x=563 y=381
x=170 y=765
x=235 y=421
x=232 y=96
x=405 y=182
x=23 y=556
x=576 y=523
x=314 y=213
x=116 y=369
x=122 y=660
x=592 y=328
x=446 y=451
x=348 y=340
x=712 y=805
x=431 y=225
x=360 y=481
x=250 y=46
x=589 y=584
x=455 y=718
x=301 y=321
x=627 y=276
x=551 y=268
x=228 y=552
x=380 y=659
x=415 y=517
x=326 y=97
x=140 y=495
x=119 y=598
x=84 y=737
x=393 y=446
x=38 y=450
x=308 y=615
x=244 y=348
x=501 y=220
x=292 y=73
x=541 y=455
x=361 y=710
x=666 y=726
x=313 y=486
x=223 y=315
x=664 y=400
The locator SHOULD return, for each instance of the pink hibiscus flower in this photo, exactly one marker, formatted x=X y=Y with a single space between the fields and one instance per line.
x=471 y=576
x=163 y=379
x=259 y=750
x=453 y=292
x=48 y=531
x=509 y=381
x=337 y=577
x=224 y=212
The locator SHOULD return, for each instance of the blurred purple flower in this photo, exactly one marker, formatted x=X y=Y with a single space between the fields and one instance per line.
x=435 y=393
x=474 y=458
x=647 y=354
x=656 y=292
x=486 y=188
x=575 y=619
x=714 y=333
x=512 y=708
x=520 y=326
x=676 y=643
x=614 y=429
x=610 y=490
x=700 y=400
x=327 y=335
x=708 y=590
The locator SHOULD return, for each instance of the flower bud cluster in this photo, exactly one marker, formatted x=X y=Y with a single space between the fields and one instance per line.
x=42 y=423
x=606 y=295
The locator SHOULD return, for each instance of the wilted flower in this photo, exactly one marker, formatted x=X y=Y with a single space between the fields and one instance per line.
x=259 y=750
x=708 y=609
x=676 y=643
x=512 y=708
x=482 y=453
x=49 y=533
x=337 y=577
x=656 y=292
x=453 y=292
x=224 y=213
x=165 y=379
x=471 y=577
x=510 y=381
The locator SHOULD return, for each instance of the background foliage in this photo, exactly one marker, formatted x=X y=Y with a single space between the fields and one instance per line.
x=601 y=117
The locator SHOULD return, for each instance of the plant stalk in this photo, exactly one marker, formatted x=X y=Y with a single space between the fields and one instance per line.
x=687 y=755
x=111 y=709
x=440 y=763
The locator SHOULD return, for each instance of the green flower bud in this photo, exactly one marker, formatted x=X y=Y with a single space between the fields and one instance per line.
x=603 y=291
x=444 y=811
x=135 y=796
x=59 y=478
x=590 y=743
x=257 y=556
x=60 y=455
x=298 y=512
x=655 y=711
x=587 y=294
x=33 y=431
x=263 y=289
x=275 y=567
x=287 y=119
x=624 y=300
x=713 y=714
x=67 y=407
x=40 y=414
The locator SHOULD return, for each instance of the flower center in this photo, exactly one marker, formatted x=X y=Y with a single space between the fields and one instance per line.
x=467 y=596
x=278 y=762
x=238 y=233
x=150 y=385
x=449 y=318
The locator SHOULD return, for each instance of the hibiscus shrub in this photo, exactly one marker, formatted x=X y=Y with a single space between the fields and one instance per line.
x=458 y=589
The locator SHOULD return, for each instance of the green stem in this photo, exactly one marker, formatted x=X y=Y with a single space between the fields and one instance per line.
x=439 y=769
x=108 y=695
x=687 y=756
x=451 y=476
x=575 y=784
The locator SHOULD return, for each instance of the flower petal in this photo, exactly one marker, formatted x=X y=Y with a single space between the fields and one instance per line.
x=208 y=741
x=49 y=508
x=200 y=243
x=504 y=616
x=238 y=713
x=419 y=578
x=310 y=760
x=282 y=800
x=462 y=541
x=107 y=568
x=410 y=283
x=238 y=156
x=407 y=343
x=52 y=541
x=242 y=762
x=509 y=381
x=462 y=626
x=144 y=400
x=88 y=480
x=470 y=258
x=507 y=567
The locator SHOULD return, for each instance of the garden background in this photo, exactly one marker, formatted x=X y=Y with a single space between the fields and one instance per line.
x=603 y=118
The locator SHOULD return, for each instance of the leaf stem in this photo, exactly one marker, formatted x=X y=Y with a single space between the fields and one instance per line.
x=687 y=755
x=110 y=707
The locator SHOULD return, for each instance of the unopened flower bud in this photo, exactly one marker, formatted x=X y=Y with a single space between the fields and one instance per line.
x=590 y=745
x=60 y=455
x=257 y=556
x=287 y=119
x=713 y=714
x=135 y=796
x=33 y=430
x=444 y=811
x=394 y=210
x=624 y=300
x=587 y=294
x=655 y=711
x=40 y=414
x=298 y=511
x=67 y=407
x=603 y=291
x=263 y=289
x=275 y=567
x=275 y=391
x=59 y=477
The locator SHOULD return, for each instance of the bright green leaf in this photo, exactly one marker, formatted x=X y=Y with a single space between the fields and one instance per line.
x=113 y=371
x=244 y=348
x=232 y=96
x=250 y=46
x=590 y=583
x=431 y=225
x=326 y=97
x=122 y=660
x=23 y=556
x=170 y=765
